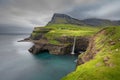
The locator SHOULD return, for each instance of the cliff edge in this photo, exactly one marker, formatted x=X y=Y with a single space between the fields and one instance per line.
x=101 y=60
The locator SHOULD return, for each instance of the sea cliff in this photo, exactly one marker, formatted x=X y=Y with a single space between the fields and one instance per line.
x=101 y=59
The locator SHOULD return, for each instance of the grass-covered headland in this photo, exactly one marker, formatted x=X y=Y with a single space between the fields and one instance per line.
x=105 y=64
x=51 y=32
x=101 y=61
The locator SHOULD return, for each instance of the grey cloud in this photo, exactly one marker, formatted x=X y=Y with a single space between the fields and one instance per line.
x=107 y=9
x=30 y=13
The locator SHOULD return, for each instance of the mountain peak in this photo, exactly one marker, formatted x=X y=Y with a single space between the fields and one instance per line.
x=63 y=19
x=60 y=15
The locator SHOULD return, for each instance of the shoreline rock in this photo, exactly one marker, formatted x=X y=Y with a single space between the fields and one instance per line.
x=64 y=47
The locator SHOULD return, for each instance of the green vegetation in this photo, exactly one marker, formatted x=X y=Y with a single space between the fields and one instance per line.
x=52 y=41
x=34 y=34
x=106 y=63
x=105 y=46
x=54 y=31
x=59 y=30
x=60 y=20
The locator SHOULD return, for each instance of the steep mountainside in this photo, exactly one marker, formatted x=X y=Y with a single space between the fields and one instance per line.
x=101 y=61
x=65 y=19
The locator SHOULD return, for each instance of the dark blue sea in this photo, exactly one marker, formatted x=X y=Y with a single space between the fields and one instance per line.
x=16 y=63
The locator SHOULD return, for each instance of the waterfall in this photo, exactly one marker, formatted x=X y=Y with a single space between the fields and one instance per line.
x=73 y=49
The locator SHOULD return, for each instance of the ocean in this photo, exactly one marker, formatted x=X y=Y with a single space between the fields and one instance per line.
x=16 y=63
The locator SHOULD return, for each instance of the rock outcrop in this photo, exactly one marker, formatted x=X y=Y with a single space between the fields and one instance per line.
x=64 y=47
x=101 y=59
x=91 y=50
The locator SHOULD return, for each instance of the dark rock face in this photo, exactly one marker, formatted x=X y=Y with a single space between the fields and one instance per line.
x=64 y=48
x=52 y=49
x=80 y=45
x=65 y=19
x=91 y=50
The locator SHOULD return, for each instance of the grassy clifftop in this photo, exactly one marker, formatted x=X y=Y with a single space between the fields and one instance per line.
x=105 y=64
x=71 y=30
x=54 y=31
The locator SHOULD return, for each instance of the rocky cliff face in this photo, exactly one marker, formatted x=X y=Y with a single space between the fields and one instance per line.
x=101 y=59
x=65 y=46
x=91 y=50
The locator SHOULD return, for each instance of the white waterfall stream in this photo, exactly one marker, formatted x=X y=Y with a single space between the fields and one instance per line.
x=73 y=49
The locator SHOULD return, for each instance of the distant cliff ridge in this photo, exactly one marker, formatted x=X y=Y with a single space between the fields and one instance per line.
x=65 y=19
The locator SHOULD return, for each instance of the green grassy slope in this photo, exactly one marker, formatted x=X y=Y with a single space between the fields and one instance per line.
x=106 y=63
x=59 y=30
x=71 y=30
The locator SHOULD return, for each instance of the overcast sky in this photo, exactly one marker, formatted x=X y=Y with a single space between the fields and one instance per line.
x=23 y=15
